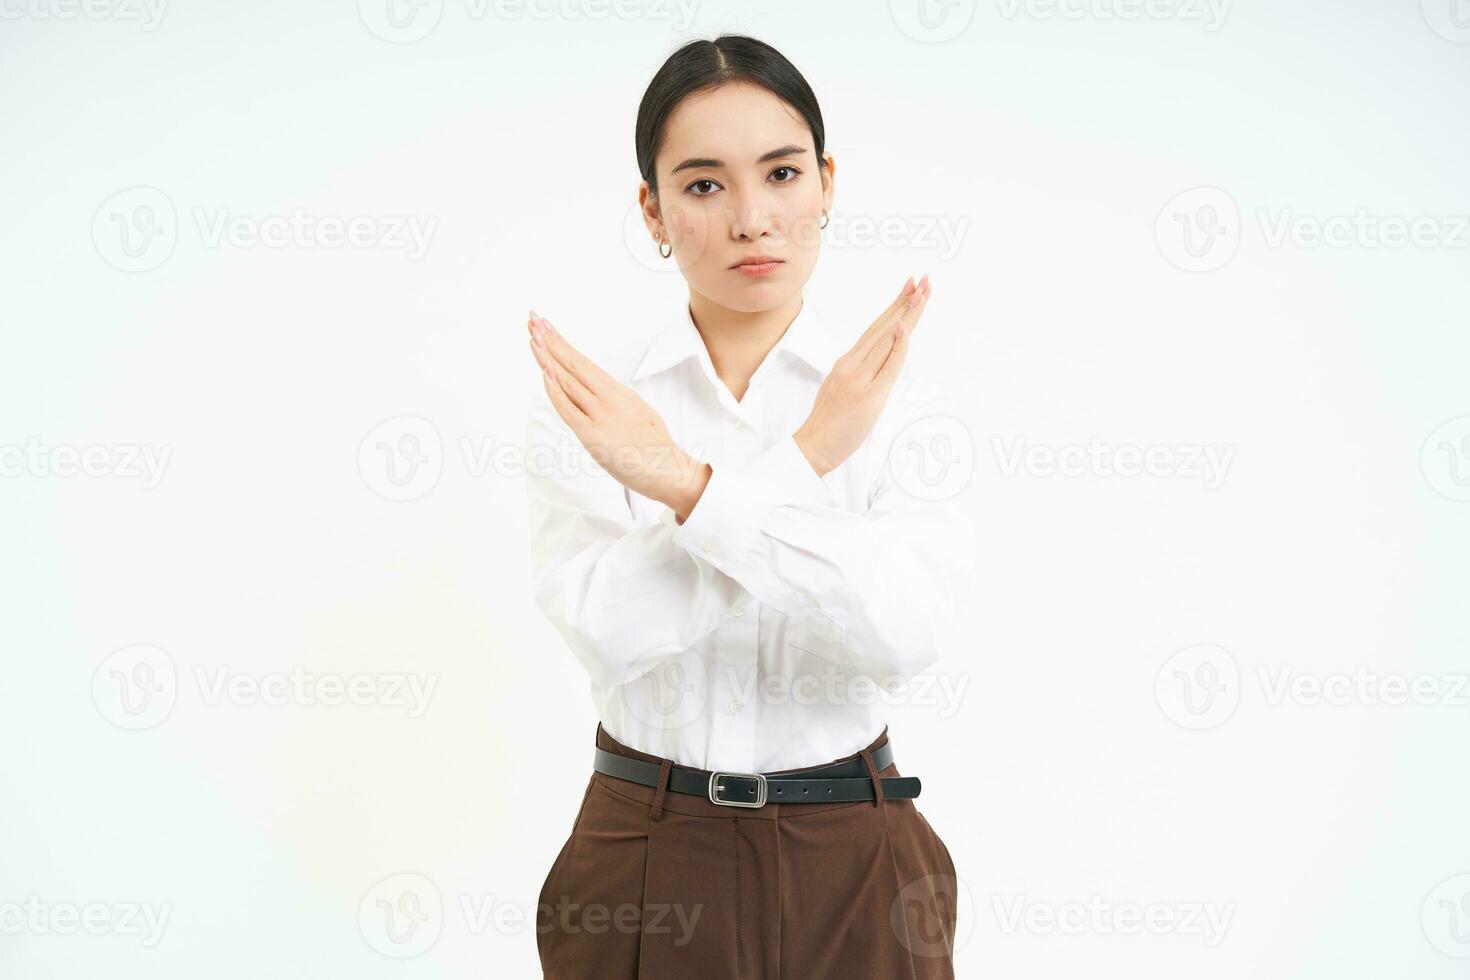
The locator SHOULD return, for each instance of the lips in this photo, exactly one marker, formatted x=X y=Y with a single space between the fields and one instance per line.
x=759 y=261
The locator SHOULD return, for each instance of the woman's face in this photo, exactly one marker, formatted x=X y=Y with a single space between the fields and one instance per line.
x=738 y=177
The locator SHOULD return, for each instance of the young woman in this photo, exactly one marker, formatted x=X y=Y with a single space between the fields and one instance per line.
x=732 y=533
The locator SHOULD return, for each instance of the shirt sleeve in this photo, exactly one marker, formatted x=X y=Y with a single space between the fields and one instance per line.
x=623 y=596
x=876 y=591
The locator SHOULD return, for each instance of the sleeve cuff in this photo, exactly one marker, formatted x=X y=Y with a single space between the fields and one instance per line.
x=727 y=519
x=783 y=475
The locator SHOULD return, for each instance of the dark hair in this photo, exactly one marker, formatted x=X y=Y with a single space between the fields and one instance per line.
x=701 y=65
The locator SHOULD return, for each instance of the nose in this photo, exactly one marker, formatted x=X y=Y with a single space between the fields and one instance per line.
x=750 y=218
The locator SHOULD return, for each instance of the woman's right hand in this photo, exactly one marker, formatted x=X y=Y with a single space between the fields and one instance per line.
x=619 y=430
x=853 y=394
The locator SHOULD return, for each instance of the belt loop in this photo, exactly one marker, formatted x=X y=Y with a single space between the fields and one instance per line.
x=658 y=793
x=877 y=781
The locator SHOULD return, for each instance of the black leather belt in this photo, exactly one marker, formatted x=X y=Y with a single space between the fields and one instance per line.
x=841 y=782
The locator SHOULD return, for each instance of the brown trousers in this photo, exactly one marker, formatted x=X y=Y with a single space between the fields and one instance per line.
x=668 y=886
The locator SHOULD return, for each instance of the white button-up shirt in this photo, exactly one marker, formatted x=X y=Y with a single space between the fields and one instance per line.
x=769 y=630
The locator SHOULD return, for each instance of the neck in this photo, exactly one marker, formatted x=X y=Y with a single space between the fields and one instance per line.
x=739 y=341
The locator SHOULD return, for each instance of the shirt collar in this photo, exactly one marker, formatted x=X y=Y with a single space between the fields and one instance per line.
x=807 y=338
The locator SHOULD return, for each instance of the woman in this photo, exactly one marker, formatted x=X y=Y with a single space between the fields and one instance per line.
x=749 y=567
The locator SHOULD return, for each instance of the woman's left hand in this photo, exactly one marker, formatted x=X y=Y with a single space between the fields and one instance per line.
x=620 y=430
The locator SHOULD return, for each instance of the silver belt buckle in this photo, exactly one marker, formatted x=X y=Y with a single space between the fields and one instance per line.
x=729 y=784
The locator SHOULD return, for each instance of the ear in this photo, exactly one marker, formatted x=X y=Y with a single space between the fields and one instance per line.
x=652 y=214
x=828 y=175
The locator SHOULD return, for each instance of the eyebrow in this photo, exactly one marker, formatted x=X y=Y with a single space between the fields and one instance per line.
x=789 y=150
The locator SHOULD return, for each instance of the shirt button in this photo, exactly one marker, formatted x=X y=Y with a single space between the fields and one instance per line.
x=735 y=707
x=737 y=613
x=740 y=424
x=709 y=544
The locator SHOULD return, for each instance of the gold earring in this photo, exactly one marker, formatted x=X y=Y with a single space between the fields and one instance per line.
x=825 y=220
x=660 y=240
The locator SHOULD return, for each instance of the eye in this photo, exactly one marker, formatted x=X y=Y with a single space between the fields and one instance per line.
x=794 y=174
x=702 y=180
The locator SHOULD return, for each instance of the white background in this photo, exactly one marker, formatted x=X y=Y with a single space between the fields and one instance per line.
x=1074 y=768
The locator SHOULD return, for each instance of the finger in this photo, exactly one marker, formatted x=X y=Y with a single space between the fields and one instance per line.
x=578 y=392
x=903 y=323
x=543 y=359
x=537 y=351
x=564 y=406
x=908 y=319
x=872 y=339
x=893 y=363
x=903 y=294
x=888 y=371
x=592 y=377
x=546 y=355
x=876 y=327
